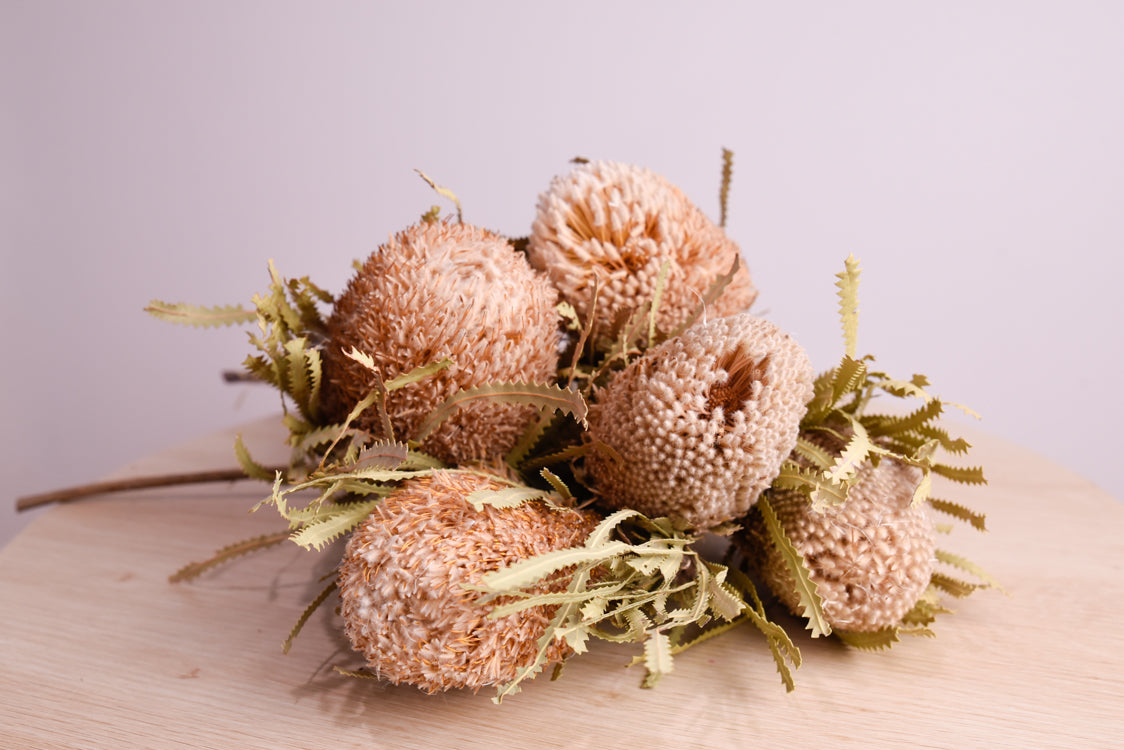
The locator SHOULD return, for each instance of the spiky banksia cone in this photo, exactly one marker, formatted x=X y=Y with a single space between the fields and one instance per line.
x=433 y=291
x=401 y=583
x=618 y=224
x=871 y=557
x=701 y=423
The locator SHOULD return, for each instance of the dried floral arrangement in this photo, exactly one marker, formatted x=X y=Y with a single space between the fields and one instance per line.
x=528 y=441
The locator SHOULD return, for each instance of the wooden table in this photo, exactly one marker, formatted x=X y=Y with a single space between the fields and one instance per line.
x=97 y=649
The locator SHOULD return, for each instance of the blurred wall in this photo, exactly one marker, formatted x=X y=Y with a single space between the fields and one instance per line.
x=969 y=153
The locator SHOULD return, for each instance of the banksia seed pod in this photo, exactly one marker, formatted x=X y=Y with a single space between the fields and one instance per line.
x=440 y=290
x=619 y=223
x=871 y=557
x=402 y=581
x=701 y=423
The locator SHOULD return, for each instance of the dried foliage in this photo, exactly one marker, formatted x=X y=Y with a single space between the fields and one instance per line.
x=485 y=552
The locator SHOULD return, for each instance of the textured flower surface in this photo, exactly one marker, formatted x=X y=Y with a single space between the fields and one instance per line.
x=618 y=224
x=402 y=577
x=442 y=290
x=871 y=557
x=702 y=422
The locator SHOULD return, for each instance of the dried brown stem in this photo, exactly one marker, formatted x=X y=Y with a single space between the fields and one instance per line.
x=132 y=483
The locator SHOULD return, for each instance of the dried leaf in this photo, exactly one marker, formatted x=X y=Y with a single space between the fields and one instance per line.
x=848 y=285
x=724 y=187
x=252 y=468
x=962 y=474
x=202 y=317
x=977 y=520
x=334 y=524
x=444 y=192
x=307 y=613
x=968 y=566
x=508 y=497
x=877 y=640
x=541 y=396
x=810 y=602
x=227 y=553
x=657 y=657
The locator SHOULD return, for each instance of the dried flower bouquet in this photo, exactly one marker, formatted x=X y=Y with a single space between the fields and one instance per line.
x=525 y=439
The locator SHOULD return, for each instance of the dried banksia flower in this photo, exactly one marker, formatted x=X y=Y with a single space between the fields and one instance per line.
x=402 y=581
x=442 y=290
x=619 y=223
x=870 y=557
x=701 y=424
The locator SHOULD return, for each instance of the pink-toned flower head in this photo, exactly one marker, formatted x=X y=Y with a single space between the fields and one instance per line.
x=701 y=423
x=618 y=224
x=442 y=290
x=871 y=557
x=402 y=583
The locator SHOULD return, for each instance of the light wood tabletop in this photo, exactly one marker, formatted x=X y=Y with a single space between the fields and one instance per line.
x=98 y=650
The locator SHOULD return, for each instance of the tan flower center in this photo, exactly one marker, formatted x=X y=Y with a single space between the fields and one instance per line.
x=742 y=374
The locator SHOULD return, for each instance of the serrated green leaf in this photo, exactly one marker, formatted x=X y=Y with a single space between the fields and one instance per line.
x=567 y=454
x=853 y=455
x=968 y=566
x=877 y=640
x=559 y=486
x=383 y=455
x=910 y=422
x=416 y=374
x=200 y=316
x=508 y=497
x=962 y=474
x=657 y=297
x=600 y=593
x=977 y=520
x=926 y=609
x=299 y=377
x=821 y=492
x=657 y=657
x=333 y=525
x=947 y=442
x=531 y=436
x=810 y=602
x=362 y=358
x=902 y=388
x=953 y=586
x=252 y=468
x=532 y=570
x=545 y=397
x=227 y=553
x=813 y=453
x=307 y=613
x=723 y=600
x=599 y=537
x=569 y=316
x=444 y=192
x=848 y=293
x=724 y=186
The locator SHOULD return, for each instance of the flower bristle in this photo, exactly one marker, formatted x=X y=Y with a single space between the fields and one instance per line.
x=443 y=290
x=870 y=557
x=616 y=225
x=696 y=441
x=402 y=583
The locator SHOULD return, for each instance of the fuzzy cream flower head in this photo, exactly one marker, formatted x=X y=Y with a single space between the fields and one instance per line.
x=871 y=557
x=701 y=424
x=618 y=224
x=442 y=290
x=402 y=581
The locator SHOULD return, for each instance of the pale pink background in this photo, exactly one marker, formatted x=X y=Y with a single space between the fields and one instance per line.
x=970 y=153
